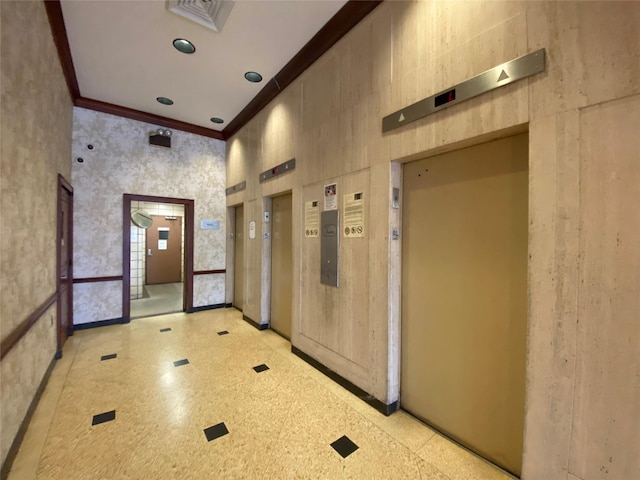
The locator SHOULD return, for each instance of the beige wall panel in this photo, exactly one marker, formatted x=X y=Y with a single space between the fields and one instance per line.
x=329 y=317
x=252 y=261
x=606 y=416
x=35 y=145
x=413 y=49
x=553 y=288
x=592 y=50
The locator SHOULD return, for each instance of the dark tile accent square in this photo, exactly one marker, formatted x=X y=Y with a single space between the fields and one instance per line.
x=104 y=417
x=261 y=368
x=179 y=363
x=165 y=329
x=344 y=446
x=223 y=332
x=216 y=431
x=108 y=357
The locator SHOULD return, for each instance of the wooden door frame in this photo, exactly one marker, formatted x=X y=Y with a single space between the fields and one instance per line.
x=64 y=186
x=189 y=219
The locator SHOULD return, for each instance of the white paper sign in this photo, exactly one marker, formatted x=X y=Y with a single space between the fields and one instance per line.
x=311 y=219
x=162 y=244
x=210 y=224
x=252 y=230
x=353 y=215
x=330 y=197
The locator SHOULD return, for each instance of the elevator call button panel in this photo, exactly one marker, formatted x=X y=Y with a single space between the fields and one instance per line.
x=329 y=247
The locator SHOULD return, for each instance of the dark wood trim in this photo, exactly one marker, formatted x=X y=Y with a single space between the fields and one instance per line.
x=115 y=278
x=100 y=323
x=60 y=38
x=206 y=307
x=208 y=272
x=189 y=225
x=64 y=185
x=141 y=116
x=20 y=331
x=259 y=326
x=228 y=305
x=336 y=28
x=385 y=409
x=17 y=441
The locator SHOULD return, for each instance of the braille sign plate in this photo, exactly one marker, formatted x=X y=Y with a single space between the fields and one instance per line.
x=491 y=79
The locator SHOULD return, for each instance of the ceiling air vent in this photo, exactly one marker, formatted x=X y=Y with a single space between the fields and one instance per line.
x=208 y=13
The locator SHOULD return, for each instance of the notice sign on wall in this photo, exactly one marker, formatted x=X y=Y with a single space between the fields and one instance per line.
x=311 y=219
x=330 y=197
x=353 y=215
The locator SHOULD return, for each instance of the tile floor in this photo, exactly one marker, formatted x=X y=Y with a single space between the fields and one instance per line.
x=194 y=402
x=160 y=299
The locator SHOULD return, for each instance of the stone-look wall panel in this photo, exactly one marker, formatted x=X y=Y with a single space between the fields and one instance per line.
x=554 y=181
x=592 y=53
x=403 y=52
x=94 y=302
x=122 y=161
x=35 y=146
x=20 y=381
x=606 y=416
x=208 y=290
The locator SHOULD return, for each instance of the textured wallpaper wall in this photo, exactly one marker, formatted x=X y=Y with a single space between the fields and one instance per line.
x=35 y=147
x=122 y=161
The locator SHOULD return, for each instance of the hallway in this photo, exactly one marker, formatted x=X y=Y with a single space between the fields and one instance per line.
x=155 y=387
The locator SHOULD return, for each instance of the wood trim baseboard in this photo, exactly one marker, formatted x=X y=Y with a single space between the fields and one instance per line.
x=208 y=272
x=114 y=278
x=21 y=330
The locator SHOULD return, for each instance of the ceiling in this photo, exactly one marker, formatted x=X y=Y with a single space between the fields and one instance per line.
x=122 y=56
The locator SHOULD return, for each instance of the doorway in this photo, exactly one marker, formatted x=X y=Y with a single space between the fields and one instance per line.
x=464 y=296
x=238 y=267
x=281 y=265
x=158 y=249
x=64 y=256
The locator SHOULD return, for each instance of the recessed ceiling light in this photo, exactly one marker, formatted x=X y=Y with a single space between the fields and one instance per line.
x=254 y=77
x=165 y=100
x=184 y=46
x=217 y=120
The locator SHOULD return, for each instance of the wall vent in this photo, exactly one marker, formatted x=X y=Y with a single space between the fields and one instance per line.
x=209 y=13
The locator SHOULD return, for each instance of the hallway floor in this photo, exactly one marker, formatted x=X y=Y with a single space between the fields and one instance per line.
x=159 y=299
x=177 y=397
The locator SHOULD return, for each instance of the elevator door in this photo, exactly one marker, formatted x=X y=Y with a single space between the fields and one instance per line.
x=281 y=265
x=464 y=296
x=238 y=283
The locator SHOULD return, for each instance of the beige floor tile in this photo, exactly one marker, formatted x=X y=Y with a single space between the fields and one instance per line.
x=281 y=421
x=457 y=463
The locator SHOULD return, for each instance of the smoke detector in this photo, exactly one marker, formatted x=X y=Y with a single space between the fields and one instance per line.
x=209 y=13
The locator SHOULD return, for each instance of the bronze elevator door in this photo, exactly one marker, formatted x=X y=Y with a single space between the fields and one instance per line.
x=464 y=296
x=281 y=265
x=164 y=250
x=238 y=274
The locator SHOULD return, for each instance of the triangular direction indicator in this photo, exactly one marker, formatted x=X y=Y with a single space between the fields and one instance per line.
x=503 y=76
x=401 y=118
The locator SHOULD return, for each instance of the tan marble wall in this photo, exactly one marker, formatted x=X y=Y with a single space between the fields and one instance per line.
x=122 y=161
x=35 y=129
x=330 y=121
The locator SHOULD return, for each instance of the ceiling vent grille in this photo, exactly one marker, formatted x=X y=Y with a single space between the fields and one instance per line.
x=209 y=13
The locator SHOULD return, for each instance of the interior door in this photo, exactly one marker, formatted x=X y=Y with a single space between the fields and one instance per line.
x=65 y=269
x=164 y=250
x=238 y=282
x=464 y=296
x=281 y=265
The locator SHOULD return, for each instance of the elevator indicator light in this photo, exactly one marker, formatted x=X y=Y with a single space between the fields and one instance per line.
x=445 y=97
